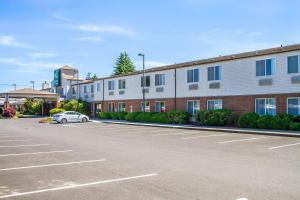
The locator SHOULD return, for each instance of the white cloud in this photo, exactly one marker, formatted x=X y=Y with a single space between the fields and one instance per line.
x=104 y=29
x=30 y=66
x=11 y=41
x=89 y=39
x=42 y=55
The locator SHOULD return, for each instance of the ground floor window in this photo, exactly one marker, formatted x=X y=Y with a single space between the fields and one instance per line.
x=147 y=106
x=193 y=107
x=160 y=106
x=121 y=107
x=98 y=107
x=293 y=105
x=214 y=104
x=265 y=106
x=111 y=107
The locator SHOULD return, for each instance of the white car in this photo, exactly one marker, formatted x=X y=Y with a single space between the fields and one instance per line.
x=70 y=116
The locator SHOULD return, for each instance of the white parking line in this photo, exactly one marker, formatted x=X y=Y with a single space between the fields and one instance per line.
x=51 y=165
x=25 y=140
x=163 y=134
x=9 y=136
x=241 y=140
x=76 y=186
x=203 y=136
x=34 y=153
x=25 y=145
x=287 y=145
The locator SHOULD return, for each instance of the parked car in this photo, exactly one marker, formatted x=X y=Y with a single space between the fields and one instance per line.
x=70 y=116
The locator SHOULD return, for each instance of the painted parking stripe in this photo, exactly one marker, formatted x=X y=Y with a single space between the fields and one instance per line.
x=203 y=136
x=25 y=140
x=77 y=186
x=52 y=165
x=241 y=140
x=9 y=136
x=34 y=153
x=164 y=134
x=25 y=145
x=287 y=145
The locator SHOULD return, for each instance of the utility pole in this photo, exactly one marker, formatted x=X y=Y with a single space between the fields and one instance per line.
x=144 y=81
x=15 y=86
x=32 y=82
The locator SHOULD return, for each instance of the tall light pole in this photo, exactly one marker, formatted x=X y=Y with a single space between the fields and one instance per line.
x=32 y=82
x=15 y=86
x=144 y=81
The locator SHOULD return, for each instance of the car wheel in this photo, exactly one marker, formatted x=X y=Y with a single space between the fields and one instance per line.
x=64 y=121
x=84 y=120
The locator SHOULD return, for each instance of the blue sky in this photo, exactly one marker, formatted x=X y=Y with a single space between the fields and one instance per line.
x=37 y=36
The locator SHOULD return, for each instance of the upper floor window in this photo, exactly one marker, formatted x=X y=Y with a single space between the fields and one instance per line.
x=293 y=64
x=92 y=88
x=159 y=79
x=193 y=75
x=293 y=105
x=85 y=89
x=265 y=67
x=265 y=106
x=122 y=84
x=214 y=73
x=214 y=104
x=111 y=85
x=145 y=82
x=98 y=87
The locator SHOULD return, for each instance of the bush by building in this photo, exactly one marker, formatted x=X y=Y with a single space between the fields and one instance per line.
x=178 y=117
x=75 y=105
x=248 y=120
x=104 y=115
x=295 y=126
x=56 y=111
x=221 y=117
x=9 y=112
x=33 y=107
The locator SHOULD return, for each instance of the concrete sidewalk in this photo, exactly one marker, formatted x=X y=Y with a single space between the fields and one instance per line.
x=206 y=128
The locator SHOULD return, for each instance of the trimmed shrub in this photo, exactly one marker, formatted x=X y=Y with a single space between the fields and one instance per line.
x=104 y=115
x=160 y=118
x=295 y=126
x=122 y=115
x=221 y=117
x=144 y=117
x=114 y=115
x=56 y=111
x=265 y=122
x=178 y=117
x=9 y=112
x=281 y=122
x=131 y=116
x=248 y=120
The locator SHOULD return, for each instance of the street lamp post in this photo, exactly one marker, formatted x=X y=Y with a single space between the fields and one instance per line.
x=15 y=86
x=32 y=82
x=144 y=81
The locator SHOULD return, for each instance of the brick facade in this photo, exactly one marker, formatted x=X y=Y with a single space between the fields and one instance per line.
x=238 y=104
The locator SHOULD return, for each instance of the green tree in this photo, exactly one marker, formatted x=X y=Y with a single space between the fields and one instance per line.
x=123 y=64
x=88 y=76
x=94 y=77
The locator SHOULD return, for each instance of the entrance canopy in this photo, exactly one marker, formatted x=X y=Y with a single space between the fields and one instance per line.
x=30 y=93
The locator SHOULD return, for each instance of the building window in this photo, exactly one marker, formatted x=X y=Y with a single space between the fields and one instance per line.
x=193 y=107
x=293 y=105
x=193 y=75
x=122 y=84
x=98 y=107
x=146 y=82
x=293 y=64
x=73 y=90
x=111 y=107
x=265 y=106
x=265 y=67
x=84 y=89
x=160 y=106
x=92 y=88
x=98 y=87
x=214 y=104
x=111 y=85
x=147 y=106
x=121 y=107
x=159 y=79
x=214 y=73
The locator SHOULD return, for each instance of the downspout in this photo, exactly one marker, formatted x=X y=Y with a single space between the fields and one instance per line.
x=175 y=87
x=102 y=106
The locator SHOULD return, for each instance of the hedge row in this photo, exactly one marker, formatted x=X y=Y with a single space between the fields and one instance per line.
x=174 y=117
x=279 y=122
x=222 y=117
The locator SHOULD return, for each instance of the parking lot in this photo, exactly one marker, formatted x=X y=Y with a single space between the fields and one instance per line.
x=109 y=161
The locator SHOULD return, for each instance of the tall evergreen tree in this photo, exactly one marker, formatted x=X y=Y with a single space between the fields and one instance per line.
x=123 y=64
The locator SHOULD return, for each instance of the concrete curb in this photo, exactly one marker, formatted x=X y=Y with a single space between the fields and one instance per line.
x=216 y=129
